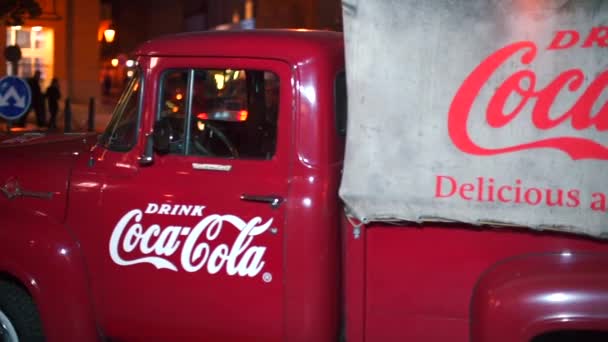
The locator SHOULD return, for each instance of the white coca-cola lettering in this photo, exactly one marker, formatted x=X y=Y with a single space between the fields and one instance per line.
x=175 y=209
x=197 y=251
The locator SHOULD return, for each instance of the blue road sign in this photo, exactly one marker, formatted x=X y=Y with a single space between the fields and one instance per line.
x=15 y=97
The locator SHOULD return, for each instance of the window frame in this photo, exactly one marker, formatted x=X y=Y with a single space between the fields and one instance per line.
x=188 y=102
x=120 y=106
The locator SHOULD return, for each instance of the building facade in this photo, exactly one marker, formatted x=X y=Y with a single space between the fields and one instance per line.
x=312 y=14
x=158 y=17
x=67 y=41
x=62 y=43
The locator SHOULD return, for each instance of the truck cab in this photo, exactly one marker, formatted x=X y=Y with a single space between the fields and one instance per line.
x=208 y=208
x=242 y=129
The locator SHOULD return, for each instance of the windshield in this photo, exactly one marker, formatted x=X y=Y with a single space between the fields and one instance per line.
x=121 y=133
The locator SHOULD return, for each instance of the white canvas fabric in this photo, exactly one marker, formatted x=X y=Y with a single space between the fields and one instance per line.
x=478 y=111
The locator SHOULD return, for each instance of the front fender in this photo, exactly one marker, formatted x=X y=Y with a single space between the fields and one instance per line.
x=40 y=253
x=526 y=296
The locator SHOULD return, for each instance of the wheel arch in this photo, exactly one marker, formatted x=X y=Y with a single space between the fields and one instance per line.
x=13 y=279
x=41 y=256
x=572 y=336
x=527 y=296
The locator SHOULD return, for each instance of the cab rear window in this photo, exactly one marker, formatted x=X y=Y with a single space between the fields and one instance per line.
x=340 y=103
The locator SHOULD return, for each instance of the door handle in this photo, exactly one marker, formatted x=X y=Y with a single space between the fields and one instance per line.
x=273 y=200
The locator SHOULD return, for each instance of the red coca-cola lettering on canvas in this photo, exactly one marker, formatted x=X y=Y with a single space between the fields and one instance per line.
x=523 y=84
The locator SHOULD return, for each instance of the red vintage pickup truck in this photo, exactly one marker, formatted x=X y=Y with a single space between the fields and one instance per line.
x=209 y=210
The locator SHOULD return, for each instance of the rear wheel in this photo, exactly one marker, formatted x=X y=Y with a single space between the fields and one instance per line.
x=19 y=319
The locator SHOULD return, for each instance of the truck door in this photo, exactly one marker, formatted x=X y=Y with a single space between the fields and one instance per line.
x=190 y=246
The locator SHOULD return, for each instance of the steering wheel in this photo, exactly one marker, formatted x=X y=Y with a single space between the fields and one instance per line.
x=215 y=132
x=172 y=138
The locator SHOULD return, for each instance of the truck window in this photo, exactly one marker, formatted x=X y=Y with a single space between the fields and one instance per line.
x=340 y=103
x=221 y=113
x=173 y=92
x=121 y=133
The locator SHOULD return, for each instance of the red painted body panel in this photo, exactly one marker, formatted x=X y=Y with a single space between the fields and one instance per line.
x=422 y=278
x=41 y=164
x=312 y=244
x=44 y=257
x=378 y=283
x=36 y=247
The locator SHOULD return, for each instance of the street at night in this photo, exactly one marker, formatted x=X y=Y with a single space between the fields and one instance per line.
x=315 y=171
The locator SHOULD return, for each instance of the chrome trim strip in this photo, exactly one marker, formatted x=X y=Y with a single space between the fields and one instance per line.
x=212 y=167
x=12 y=190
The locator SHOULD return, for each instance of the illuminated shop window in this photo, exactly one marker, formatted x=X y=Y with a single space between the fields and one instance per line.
x=36 y=45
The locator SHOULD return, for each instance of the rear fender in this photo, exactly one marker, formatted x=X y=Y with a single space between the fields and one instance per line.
x=523 y=297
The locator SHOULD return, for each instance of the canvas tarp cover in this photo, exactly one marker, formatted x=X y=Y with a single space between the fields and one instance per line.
x=478 y=111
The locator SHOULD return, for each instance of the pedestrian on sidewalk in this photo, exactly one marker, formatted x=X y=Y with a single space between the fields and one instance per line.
x=107 y=84
x=37 y=101
x=53 y=94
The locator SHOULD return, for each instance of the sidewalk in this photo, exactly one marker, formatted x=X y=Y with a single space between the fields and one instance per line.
x=80 y=117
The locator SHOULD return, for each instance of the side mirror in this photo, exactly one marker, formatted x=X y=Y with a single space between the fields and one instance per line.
x=147 y=158
x=162 y=135
x=158 y=141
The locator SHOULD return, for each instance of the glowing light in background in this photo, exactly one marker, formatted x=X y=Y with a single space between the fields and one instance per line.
x=219 y=80
x=109 y=34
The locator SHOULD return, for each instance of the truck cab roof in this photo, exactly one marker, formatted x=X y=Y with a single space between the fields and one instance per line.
x=290 y=45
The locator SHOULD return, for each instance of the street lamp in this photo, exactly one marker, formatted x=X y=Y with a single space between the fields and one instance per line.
x=109 y=34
